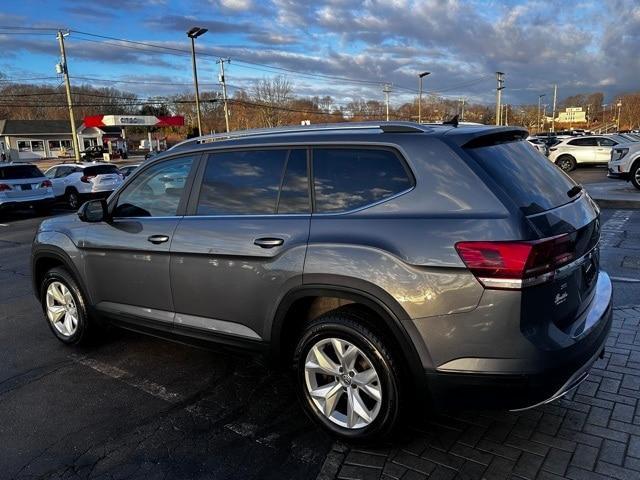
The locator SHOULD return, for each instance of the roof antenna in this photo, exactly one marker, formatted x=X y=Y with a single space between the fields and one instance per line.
x=452 y=121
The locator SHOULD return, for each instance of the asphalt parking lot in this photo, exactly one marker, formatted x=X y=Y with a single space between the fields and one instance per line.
x=140 y=407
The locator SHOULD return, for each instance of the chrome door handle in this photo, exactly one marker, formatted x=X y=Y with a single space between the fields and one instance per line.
x=158 y=239
x=268 y=242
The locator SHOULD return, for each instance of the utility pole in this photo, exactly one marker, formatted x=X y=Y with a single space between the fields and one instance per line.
x=420 y=77
x=553 y=113
x=387 y=91
x=499 y=88
x=62 y=68
x=194 y=33
x=540 y=97
x=506 y=114
x=224 y=90
x=461 y=108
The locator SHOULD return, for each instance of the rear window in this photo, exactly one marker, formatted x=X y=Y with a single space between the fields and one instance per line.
x=19 y=172
x=529 y=179
x=100 y=170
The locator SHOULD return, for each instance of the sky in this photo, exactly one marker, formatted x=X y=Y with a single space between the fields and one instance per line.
x=344 y=48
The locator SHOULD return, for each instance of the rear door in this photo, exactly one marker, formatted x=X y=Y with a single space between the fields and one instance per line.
x=59 y=178
x=584 y=149
x=243 y=243
x=551 y=204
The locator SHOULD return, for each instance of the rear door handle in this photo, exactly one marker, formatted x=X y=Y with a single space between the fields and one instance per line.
x=158 y=239
x=268 y=242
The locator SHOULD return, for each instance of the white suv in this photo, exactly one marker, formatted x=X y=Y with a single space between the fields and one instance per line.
x=625 y=163
x=76 y=182
x=587 y=149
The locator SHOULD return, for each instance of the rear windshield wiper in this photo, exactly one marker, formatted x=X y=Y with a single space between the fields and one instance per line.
x=574 y=191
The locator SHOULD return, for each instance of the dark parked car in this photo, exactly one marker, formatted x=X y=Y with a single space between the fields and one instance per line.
x=386 y=262
x=93 y=152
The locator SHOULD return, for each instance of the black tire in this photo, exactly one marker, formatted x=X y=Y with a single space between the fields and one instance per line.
x=86 y=329
x=43 y=210
x=566 y=163
x=635 y=175
x=72 y=199
x=347 y=324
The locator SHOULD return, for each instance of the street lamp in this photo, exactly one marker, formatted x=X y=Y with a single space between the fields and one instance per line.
x=420 y=77
x=539 y=103
x=619 y=105
x=194 y=33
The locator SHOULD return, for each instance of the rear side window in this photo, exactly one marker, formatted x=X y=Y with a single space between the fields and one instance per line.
x=20 y=172
x=350 y=178
x=528 y=178
x=242 y=182
x=583 y=142
x=606 y=142
x=100 y=170
x=294 y=194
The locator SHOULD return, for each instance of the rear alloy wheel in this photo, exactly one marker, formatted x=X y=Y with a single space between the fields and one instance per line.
x=73 y=199
x=566 y=163
x=347 y=379
x=635 y=175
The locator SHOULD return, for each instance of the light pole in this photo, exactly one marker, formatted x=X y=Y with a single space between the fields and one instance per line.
x=420 y=77
x=619 y=105
x=194 y=33
x=540 y=97
x=387 y=90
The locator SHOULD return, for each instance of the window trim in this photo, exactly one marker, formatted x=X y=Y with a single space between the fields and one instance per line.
x=192 y=207
x=112 y=201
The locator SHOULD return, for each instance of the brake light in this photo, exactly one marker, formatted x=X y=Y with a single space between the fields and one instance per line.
x=46 y=184
x=4 y=187
x=86 y=178
x=514 y=265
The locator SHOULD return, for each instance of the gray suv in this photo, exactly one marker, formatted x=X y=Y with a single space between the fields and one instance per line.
x=442 y=264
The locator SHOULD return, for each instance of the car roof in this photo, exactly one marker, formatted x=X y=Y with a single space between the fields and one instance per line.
x=342 y=132
x=82 y=164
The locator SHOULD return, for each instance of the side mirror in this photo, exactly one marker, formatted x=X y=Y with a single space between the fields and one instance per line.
x=93 y=211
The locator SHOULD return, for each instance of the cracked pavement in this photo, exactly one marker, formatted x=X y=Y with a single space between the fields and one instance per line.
x=135 y=406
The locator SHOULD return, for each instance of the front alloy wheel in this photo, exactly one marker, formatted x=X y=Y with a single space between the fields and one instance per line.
x=61 y=309
x=635 y=175
x=343 y=383
x=73 y=200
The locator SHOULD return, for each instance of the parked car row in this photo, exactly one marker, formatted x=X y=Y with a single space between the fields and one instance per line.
x=26 y=186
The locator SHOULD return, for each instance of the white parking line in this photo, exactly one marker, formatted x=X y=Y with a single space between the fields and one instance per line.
x=145 y=385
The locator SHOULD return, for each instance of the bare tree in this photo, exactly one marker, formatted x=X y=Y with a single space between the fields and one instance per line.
x=273 y=96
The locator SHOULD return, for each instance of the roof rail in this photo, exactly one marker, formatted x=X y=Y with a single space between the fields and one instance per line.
x=385 y=127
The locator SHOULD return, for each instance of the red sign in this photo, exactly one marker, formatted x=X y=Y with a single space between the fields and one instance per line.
x=133 y=121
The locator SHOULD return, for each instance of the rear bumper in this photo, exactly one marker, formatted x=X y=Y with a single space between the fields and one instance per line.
x=497 y=383
x=27 y=202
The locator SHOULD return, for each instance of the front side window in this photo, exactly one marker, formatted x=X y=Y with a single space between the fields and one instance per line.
x=242 y=182
x=156 y=192
x=350 y=178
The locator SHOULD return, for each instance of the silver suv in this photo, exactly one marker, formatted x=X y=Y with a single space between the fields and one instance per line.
x=385 y=262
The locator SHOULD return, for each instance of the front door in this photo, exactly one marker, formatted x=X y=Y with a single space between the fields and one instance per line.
x=127 y=258
x=243 y=242
x=603 y=152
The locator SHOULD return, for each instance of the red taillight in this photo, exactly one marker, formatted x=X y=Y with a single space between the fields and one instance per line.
x=46 y=184
x=4 y=187
x=86 y=178
x=516 y=264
